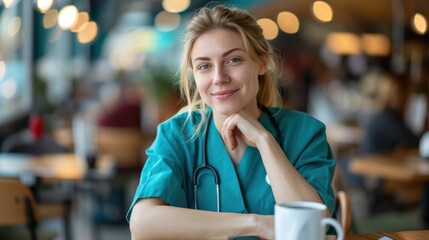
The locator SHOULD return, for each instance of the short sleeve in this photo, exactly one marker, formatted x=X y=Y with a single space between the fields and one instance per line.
x=162 y=176
x=308 y=150
x=317 y=165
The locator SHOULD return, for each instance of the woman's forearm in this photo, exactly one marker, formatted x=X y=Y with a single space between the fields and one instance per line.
x=286 y=182
x=150 y=221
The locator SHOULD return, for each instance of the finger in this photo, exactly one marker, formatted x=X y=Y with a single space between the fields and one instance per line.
x=229 y=133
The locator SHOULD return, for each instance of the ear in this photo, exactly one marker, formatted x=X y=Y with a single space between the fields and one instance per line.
x=263 y=65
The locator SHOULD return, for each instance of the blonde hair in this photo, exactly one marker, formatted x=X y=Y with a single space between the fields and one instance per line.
x=240 y=21
x=394 y=93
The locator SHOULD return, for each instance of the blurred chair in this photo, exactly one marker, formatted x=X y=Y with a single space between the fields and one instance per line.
x=45 y=192
x=125 y=144
x=18 y=208
x=23 y=142
x=387 y=194
x=344 y=210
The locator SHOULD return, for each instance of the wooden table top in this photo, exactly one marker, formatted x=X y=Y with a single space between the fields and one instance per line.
x=50 y=166
x=403 y=166
x=403 y=235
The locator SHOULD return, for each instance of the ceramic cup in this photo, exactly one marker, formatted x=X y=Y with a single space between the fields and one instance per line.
x=303 y=220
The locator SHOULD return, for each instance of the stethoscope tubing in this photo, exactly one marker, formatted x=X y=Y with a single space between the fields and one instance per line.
x=206 y=166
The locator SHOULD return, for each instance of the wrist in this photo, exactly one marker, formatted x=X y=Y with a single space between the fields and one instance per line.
x=242 y=225
x=264 y=139
x=261 y=225
x=253 y=224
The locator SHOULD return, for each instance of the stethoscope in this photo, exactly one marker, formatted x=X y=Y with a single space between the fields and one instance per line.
x=206 y=166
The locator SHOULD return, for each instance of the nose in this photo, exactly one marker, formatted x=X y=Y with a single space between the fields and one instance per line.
x=220 y=76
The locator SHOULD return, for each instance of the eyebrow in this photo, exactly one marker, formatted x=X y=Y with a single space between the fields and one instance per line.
x=223 y=54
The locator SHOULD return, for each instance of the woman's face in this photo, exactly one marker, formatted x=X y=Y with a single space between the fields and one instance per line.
x=225 y=75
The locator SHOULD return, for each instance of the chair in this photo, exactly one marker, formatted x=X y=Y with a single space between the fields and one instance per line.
x=18 y=208
x=388 y=194
x=46 y=192
x=23 y=142
x=125 y=144
x=344 y=210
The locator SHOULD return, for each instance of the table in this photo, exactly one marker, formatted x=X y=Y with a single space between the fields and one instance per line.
x=403 y=235
x=399 y=166
x=403 y=166
x=67 y=166
x=57 y=167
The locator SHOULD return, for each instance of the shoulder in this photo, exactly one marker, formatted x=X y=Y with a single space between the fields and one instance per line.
x=294 y=117
x=182 y=123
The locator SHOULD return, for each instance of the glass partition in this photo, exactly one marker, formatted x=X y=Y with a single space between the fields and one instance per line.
x=15 y=60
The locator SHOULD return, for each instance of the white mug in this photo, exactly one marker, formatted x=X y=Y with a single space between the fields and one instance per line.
x=303 y=220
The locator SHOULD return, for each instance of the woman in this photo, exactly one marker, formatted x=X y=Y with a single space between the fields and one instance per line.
x=386 y=128
x=261 y=156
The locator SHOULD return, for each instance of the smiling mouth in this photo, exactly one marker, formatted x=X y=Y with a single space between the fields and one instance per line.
x=224 y=94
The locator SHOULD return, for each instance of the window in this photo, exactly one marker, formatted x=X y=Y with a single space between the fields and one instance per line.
x=15 y=60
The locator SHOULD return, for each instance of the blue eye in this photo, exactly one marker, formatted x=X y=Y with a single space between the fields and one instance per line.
x=234 y=60
x=203 y=67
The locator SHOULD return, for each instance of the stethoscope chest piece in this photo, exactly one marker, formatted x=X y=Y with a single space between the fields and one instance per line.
x=267 y=180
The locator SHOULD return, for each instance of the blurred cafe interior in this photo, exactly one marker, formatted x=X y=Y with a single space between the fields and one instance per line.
x=84 y=83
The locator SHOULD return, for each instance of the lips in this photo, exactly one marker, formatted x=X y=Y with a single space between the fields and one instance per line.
x=224 y=94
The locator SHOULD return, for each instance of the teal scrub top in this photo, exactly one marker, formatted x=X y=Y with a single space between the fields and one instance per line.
x=173 y=157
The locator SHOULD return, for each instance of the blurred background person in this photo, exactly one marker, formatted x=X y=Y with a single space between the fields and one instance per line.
x=385 y=98
x=386 y=129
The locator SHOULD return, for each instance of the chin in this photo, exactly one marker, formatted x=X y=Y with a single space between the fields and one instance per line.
x=226 y=111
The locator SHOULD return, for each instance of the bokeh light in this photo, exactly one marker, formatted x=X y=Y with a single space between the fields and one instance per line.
x=269 y=28
x=343 y=43
x=89 y=32
x=50 y=18
x=14 y=26
x=288 y=22
x=419 y=24
x=322 y=11
x=375 y=44
x=175 y=6
x=44 y=5
x=2 y=69
x=9 y=88
x=68 y=16
x=83 y=18
x=9 y=3
x=166 y=21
